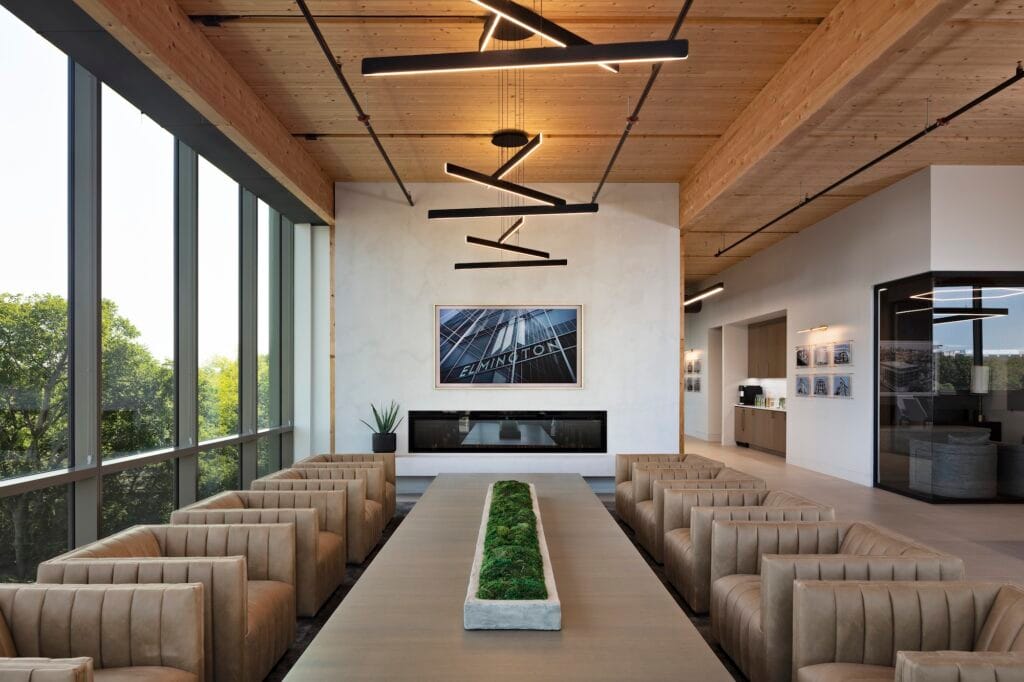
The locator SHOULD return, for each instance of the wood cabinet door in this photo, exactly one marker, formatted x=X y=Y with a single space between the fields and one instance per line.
x=753 y=351
x=742 y=432
x=775 y=360
x=779 y=432
x=762 y=436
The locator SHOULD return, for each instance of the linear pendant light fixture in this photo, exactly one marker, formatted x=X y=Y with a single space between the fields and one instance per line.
x=520 y=156
x=503 y=185
x=532 y=22
x=507 y=247
x=508 y=211
x=701 y=295
x=528 y=58
x=507 y=234
x=511 y=264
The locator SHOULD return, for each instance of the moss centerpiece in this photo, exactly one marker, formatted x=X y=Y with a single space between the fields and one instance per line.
x=511 y=584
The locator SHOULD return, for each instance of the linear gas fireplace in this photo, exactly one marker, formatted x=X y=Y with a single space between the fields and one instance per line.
x=511 y=431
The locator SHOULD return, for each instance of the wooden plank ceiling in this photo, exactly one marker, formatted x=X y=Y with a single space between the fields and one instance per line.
x=736 y=47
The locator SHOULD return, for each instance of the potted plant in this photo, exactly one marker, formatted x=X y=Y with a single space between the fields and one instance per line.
x=387 y=420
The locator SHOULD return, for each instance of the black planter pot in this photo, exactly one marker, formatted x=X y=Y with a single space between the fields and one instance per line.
x=385 y=442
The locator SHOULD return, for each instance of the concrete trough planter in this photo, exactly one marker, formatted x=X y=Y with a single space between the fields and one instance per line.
x=511 y=614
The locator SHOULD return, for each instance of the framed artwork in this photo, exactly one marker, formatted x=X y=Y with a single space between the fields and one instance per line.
x=696 y=366
x=803 y=386
x=689 y=367
x=696 y=385
x=508 y=346
x=842 y=354
x=689 y=385
x=842 y=386
x=803 y=357
x=821 y=386
x=822 y=355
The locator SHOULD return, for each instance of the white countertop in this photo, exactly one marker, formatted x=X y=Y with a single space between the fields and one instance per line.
x=759 y=407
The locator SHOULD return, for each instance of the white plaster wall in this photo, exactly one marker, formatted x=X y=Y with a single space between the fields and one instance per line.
x=824 y=275
x=977 y=218
x=393 y=266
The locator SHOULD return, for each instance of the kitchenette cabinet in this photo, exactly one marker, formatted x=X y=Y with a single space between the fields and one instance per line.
x=761 y=428
x=766 y=349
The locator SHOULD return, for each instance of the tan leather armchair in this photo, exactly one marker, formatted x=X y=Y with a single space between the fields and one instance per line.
x=754 y=564
x=319 y=518
x=624 y=476
x=649 y=499
x=365 y=494
x=360 y=461
x=79 y=633
x=688 y=516
x=247 y=572
x=387 y=460
x=907 y=632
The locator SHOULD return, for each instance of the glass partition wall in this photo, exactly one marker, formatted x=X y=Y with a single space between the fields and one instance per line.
x=144 y=300
x=950 y=380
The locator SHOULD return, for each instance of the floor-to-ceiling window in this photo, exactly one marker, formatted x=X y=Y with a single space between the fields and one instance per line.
x=951 y=386
x=33 y=294
x=73 y=469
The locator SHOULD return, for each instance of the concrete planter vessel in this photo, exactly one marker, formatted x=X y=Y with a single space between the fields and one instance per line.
x=511 y=614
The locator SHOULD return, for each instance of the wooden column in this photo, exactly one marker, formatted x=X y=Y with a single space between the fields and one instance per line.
x=682 y=344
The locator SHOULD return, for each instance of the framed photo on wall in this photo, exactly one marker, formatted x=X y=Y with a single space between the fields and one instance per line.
x=821 y=386
x=803 y=386
x=842 y=386
x=508 y=346
x=696 y=366
x=842 y=354
x=822 y=355
x=803 y=356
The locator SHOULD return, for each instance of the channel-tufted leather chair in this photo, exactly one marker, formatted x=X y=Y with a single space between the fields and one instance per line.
x=387 y=460
x=365 y=491
x=907 y=632
x=319 y=518
x=648 y=506
x=754 y=564
x=247 y=572
x=80 y=633
x=688 y=515
x=624 y=476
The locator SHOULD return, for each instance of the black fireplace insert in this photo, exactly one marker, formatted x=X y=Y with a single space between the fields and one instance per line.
x=508 y=431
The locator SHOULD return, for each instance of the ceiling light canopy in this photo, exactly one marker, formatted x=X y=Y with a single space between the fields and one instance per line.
x=528 y=58
x=701 y=295
x=503 y=185
x=506 y=211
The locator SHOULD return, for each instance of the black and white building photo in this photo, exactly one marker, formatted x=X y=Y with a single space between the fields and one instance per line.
x=488 y=346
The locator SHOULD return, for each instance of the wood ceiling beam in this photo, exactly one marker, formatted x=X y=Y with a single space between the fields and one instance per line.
x=857 y=40
x=163 y=37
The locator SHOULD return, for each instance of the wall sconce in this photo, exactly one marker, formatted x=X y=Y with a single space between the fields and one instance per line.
x=819 y=328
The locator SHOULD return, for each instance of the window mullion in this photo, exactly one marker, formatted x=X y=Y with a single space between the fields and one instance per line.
x=186 y=295
x=248 y=331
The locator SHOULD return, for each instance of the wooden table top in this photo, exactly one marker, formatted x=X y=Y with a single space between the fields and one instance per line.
x=403 y=618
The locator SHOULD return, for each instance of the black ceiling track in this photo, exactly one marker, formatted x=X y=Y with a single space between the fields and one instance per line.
x=939 y=123
x=362 y=116
x=635 y=116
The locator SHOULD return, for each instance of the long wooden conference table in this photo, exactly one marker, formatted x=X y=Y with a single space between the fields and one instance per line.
x=403 y=618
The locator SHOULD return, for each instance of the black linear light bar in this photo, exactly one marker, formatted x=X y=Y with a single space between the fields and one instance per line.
x=520 y=156
x=489 y=28
x=967 y=314
x=706 y=293
x=482 y=265
x=507 y=247
x=503 y=185
x=506 y=211
x=507 y=234
x=535 y=57
x=533 y=22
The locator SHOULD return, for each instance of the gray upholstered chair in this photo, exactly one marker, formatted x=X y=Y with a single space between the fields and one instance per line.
x=907 y=631
x=754 y=564
x=80 y=633
x=964 y=468
x=688 y=517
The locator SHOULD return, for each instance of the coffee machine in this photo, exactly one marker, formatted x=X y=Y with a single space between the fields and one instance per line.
x=748 y=394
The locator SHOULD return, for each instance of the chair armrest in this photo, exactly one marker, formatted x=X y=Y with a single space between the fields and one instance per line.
x=778 y=573
x=48 y=669
x=958 y=666
x=117 y=626
x=225 y=593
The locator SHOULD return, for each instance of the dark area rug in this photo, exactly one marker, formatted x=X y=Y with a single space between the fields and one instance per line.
x=308 y=628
